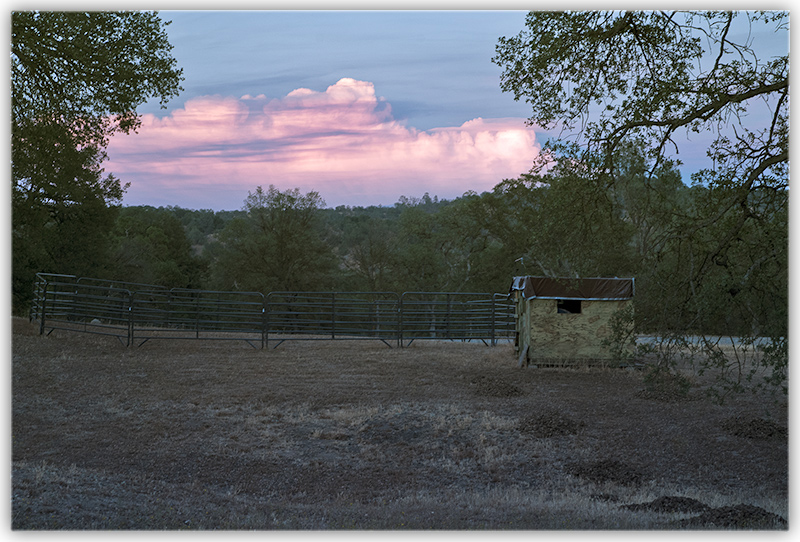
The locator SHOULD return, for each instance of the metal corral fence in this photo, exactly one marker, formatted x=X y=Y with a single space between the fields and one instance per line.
x=136 y=313
x=455 y=316
x=333 y=315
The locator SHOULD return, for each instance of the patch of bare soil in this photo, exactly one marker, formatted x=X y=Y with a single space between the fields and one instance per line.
x=550 y=423
x=492 y=387
x=754 y=428
x=356 y=435
x=740 y=516
x=670 y=504
x=606 y=470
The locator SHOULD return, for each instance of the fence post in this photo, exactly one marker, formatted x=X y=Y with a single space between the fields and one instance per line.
x=448 y=320
x=44 y=304
x=377 y=315
x=400 y=320
x=333 y=315
x=263 y=321
x=266 y=319
x=492 y=340
x=130 y=318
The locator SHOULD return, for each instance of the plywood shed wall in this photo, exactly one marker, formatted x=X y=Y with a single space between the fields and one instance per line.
x=562 y=321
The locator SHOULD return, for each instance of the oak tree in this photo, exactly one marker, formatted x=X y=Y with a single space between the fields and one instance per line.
x=277 y=245
x=76 y=79
x=648 y=77
x=656 y=81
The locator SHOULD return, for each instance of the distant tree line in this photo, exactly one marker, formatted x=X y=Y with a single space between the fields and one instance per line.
x=555 y=224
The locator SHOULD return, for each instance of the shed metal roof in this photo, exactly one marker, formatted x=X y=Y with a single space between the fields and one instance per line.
x=588 y=289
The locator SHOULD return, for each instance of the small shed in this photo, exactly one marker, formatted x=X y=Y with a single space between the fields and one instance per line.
x=564 y=321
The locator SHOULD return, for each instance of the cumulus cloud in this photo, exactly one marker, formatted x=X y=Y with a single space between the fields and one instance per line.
x=343 y=142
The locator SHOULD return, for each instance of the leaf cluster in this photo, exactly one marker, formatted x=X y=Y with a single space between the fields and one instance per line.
x=89 y=71
x=76 y=79
x=622 y=86
x=643 y=77
x=275 y=245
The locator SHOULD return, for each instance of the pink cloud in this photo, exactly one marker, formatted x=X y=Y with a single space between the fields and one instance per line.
x=343 y=143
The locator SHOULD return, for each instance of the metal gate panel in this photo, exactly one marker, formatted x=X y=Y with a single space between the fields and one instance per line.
x=61 y=302
x=332 y=315
x=144 y=312
x=198 y=314
x=449 y=316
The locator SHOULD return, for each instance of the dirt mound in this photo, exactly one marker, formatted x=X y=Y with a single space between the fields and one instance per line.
x=741 y=516
x=754 y=428
x=662 y=385
x=550 y=424
x=671 y=504
x=606 y=470
x=492 y=387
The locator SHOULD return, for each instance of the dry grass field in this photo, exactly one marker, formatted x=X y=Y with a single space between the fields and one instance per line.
x=357 y=435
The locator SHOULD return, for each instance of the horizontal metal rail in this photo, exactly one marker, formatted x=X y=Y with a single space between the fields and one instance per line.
x=504 y=317
x=333 y=315
x=464 y=316
x=73 y=306
x=132 y=286
x=197 y=314
x=136 y=313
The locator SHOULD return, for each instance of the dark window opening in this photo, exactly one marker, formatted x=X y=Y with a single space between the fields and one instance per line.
x=569 y=306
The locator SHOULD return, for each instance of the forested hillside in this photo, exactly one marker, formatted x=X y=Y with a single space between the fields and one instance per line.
x=539 y=225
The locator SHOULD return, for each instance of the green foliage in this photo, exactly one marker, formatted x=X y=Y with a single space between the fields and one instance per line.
x=421 y=250
x=776 y=352
x=89 y=71
x=76 y=79
x=710 y=259
x=278 y=245
x=199 y=225
x=621 y=341
x=445 y=246
x=369 y=253
x=151 y=247
x=644 y=76
x=59 y=208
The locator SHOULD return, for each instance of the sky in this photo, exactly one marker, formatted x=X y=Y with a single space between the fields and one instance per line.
x=360 y=106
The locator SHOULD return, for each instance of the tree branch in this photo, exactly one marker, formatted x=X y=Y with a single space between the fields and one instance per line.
x=704 y=113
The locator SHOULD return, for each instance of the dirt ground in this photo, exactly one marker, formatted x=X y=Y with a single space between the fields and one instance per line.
x=357 y=435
